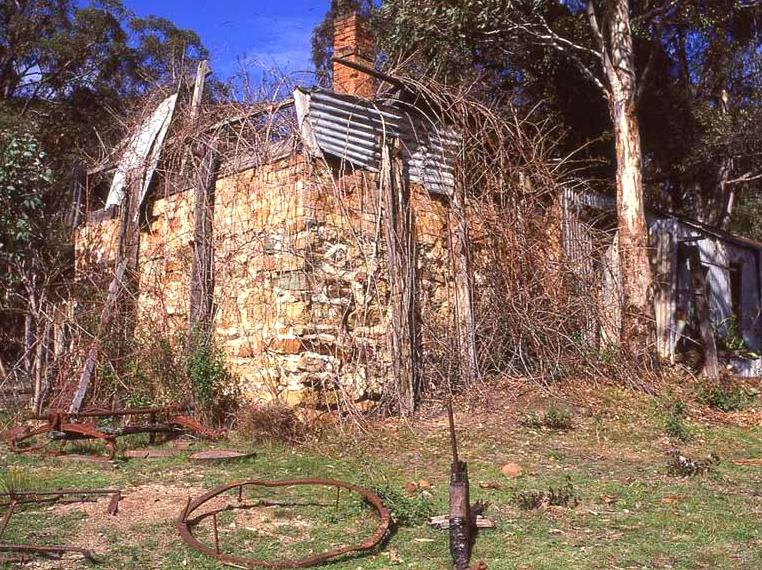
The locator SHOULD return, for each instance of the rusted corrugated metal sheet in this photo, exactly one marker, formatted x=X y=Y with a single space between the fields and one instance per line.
x=354 y=130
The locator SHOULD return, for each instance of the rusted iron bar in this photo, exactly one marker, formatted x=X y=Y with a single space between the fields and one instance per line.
x=36 y=549
x=102 y=413
x=185 y=524
x=7 y=516
x=60 y=493
x=36 y=497
x=113 y=506
x=216 y=535
x=59 y=428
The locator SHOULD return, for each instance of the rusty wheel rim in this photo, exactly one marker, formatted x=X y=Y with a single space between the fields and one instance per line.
x=186 y=523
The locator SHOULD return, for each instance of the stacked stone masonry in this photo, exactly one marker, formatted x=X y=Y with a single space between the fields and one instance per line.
x=301 y=295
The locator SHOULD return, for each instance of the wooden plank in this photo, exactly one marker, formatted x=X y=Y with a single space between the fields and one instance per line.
x=699 y=285
x=663 y=291
x=202 y=271
x=107 y=314
x=202 y=71
x=401 y=265
x=466 y=324
x=442 y=522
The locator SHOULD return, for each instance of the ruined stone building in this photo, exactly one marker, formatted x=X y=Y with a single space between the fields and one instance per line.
x=321 y=243
x=310 y=254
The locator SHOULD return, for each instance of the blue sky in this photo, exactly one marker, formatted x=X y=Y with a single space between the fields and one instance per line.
x=273 y=33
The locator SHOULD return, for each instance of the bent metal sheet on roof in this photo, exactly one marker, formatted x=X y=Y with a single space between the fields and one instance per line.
x=142 y=152
x=354 y=129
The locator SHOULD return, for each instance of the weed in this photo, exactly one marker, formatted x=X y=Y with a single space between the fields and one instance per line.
x=561 y=496
x=553 y=418
x=15 y=480
x=674 y=422
x=733 y=340
x=680 y=465
x=180 y=368
x=407 y=510
x=207 y=374
x=726 y=398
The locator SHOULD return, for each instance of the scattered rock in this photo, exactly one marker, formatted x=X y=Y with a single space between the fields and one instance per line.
x=411 y=487
x=512 y=470
x=490 y=485
x=424 y=484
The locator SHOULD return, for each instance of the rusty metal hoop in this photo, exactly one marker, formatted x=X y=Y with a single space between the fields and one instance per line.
x=185 y=525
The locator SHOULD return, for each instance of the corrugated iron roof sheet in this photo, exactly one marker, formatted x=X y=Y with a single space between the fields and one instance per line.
x=354 y=130
x=599 y=201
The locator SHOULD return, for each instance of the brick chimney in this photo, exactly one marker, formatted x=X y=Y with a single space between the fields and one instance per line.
x=352 y=41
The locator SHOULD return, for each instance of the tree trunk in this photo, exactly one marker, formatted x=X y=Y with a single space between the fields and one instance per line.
x=637 y=311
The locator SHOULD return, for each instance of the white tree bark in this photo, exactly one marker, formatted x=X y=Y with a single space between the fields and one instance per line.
x=614 y=39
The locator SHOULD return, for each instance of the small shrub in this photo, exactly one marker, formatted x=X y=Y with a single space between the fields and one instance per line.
x=680 y=465
x=407 y=510
x=674 y=422
x=270 y=422
x=562 y=496
x=553 y=418
x=208 y=375
x=726 y=398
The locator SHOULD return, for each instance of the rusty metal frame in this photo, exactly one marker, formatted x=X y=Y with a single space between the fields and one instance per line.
x=67 y=426
x=185 y=523
x=24 y=551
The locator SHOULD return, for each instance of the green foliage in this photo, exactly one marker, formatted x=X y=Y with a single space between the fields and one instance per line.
x=207 y=373
x=674 y=422
x=166 y=370
x=727 y=398
x=553 y=418
x=59 y=50
x=408 y=510
x=24 y=179
x=733 y=340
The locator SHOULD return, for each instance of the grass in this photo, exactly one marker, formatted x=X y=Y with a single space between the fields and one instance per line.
x=629 y=512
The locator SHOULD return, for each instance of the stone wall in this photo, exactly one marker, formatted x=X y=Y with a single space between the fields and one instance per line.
x=301 y=292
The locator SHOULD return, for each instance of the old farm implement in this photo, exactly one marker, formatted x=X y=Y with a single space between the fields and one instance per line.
x=99 y=424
